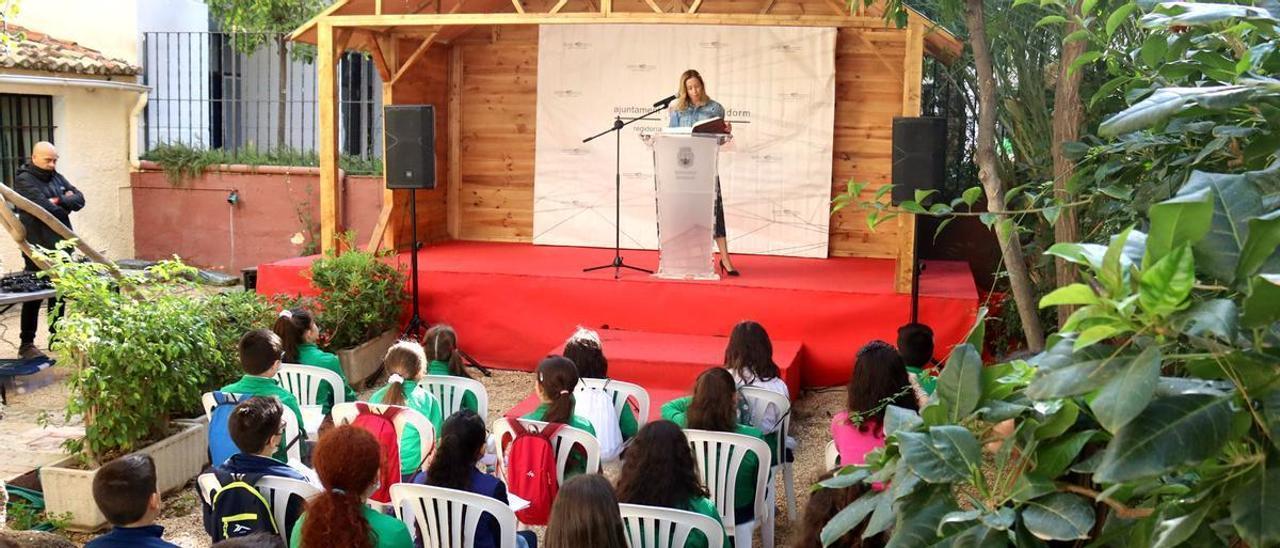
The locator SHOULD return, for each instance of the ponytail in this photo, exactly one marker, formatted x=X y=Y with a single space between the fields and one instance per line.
x=347 y=459
x=557 y=377
x=292 y=326
x=441 y=345
x=404 y=361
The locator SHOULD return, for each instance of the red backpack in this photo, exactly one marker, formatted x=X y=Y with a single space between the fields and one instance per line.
x=531 y=471
x=383 y=428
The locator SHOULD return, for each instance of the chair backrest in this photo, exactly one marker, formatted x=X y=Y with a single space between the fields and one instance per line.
x=279 y=492
x=564 y=441
x=718 y=456
x=831 y=456
x=621 y=391
x=346 y=413
x=448 y=518
x=658 y=527
x=760 y=399
x=207 y=484
x=450 y=390
x=292 y=430
x=304 y=381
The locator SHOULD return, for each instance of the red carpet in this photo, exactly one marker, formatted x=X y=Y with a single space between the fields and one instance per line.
x=511 y=303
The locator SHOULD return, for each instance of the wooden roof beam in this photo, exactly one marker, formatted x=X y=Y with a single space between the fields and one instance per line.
x=500 y=19
x=413 y=58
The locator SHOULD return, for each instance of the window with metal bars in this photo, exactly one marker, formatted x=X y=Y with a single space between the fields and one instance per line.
x=24 y=121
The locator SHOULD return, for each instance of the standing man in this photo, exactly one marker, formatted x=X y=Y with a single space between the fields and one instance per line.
x=40 y=182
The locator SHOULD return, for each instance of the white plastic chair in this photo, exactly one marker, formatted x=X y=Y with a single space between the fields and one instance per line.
x=292 y=430
x=304 y=381
x=277 y=490
x=620 y=391
x=657 y=527
x=759 y=400
x=450 y=390
x=719 y=456
x=563 y=442
x=831 y=456
x=448 y=518
x=346 y=413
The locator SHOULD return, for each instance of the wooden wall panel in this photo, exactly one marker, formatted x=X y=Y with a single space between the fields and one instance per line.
x=425 y=83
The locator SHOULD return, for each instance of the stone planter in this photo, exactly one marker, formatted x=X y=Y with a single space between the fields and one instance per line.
x=178 y=458
x=361 y=362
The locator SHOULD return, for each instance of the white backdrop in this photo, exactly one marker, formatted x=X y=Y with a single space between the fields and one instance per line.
x=777 y=85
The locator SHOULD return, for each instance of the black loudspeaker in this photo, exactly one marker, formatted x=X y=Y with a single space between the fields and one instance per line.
x=919 y=155
x=410 y=133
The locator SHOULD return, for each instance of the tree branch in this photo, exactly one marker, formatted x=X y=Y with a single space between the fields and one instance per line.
x=1121 y=510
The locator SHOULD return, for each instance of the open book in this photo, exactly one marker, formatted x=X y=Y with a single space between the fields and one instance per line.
x=710 y=125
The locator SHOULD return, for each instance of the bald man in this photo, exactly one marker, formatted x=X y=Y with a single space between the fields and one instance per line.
x=40 y=182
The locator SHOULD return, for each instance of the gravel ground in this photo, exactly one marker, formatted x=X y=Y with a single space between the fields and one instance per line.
x=810 y=416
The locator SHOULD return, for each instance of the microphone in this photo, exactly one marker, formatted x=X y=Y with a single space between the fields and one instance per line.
x=663 y=103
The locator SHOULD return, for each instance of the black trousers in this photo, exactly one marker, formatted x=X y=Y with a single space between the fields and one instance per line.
x=31 y=310
x=719 y=228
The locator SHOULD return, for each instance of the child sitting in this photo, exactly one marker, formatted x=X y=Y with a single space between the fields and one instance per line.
x=406 y=363
x=125 y=491
x=879 y=379
x=260 y=352
x=298 y=332
x=444 y=359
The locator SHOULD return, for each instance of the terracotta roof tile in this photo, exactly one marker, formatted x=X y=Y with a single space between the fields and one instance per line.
x=39 y=51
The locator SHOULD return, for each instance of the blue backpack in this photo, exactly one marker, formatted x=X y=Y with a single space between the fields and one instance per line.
x=221 y=447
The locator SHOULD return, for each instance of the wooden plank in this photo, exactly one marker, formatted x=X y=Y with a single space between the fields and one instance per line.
x=519 y=8
x=768 y=6
x=404 y=67
x=559 y=6
x=653 y=6
x=327 y=95
x=501 y=19
x=454 y=215
x=379 y=59
x=695 y=6
x=912 y=74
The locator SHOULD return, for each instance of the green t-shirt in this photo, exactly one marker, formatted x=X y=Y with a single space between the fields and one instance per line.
x=388 y=532
x=251 y=385
x=417 y=399
x=310 y=354
x=744 y=492
x=442 y=369
x=577 y=462
x=704 y=506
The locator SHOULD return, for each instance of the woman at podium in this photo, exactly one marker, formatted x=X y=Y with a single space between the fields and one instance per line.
x=692 y=106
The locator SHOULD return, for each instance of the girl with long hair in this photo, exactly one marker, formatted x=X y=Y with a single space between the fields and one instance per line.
x=823 y=505
x=462 y=445
x=298 y=332
x=347 y=459
x=659 y=471
x=586 y=514
x=692 y=106
x=556 y=379
x=586 y=351
x=444 y=359
x=879 y=380
x=405 y=364
x=714 y=407
x=749 y=357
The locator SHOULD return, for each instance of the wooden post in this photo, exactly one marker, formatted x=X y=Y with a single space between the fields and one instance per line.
x=381 y=237
x=453 y=205
x=327 y=95
x=912 y=74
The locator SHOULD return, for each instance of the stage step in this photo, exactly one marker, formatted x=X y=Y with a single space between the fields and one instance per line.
x=668 y=365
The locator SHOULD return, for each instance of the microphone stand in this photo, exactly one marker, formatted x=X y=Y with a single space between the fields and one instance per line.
x=618 y=124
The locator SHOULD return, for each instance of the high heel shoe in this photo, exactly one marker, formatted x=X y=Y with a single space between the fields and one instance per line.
x=726 y=270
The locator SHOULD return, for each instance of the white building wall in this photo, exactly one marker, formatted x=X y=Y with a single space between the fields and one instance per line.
x=177 y=60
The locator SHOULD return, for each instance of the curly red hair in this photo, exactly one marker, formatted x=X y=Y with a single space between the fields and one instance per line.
x=347 y=459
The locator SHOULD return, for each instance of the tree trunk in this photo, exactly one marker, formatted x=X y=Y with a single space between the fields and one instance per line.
x=1068 y=114
x=1010 y=247
x=282 y=59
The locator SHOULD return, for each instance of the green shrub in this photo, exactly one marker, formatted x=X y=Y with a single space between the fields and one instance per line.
x=361 y=296
x=181 y=162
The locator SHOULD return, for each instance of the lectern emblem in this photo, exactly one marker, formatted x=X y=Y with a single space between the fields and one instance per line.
x=685 y=157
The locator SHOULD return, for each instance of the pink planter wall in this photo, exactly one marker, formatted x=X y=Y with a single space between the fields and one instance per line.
x=194 y=221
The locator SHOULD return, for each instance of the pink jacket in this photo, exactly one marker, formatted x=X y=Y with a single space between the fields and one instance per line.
x=854 y=444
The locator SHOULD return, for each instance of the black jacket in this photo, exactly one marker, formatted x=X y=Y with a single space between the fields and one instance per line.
x=38 y=185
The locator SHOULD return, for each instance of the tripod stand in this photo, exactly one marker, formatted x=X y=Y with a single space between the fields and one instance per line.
x=618 y=124
x=416 y=329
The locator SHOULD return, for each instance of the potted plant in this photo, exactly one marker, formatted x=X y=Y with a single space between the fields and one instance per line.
x=142 y=349
x=361 y=299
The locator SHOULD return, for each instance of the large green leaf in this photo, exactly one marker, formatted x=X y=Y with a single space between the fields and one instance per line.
x=1059 y=421
x=1060 y=516
x=919 y=526
x=1173 y=531
x=1165 y=285
x=1089 y=255
x=1166 y=102
x=960 y=385
x=1262 y=306
x=1128 y=393
x=1169 y=432
x=1271 y=414
x=1216 y=317
x=1187 y=14
x=1260 y=245
x=898 y=419
x=849 y=517
x=1115 y=270
x=1054 y=458
x=1236 y=199
x=1119 y=16
x=1076 y=379
x=1182 y=219
x=883 y=516
x=1255 y=510
x=978 y=333
x=942 y=455
x=1076 y=293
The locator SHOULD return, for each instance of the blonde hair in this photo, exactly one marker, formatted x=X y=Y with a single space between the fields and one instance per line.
x=682 y=102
